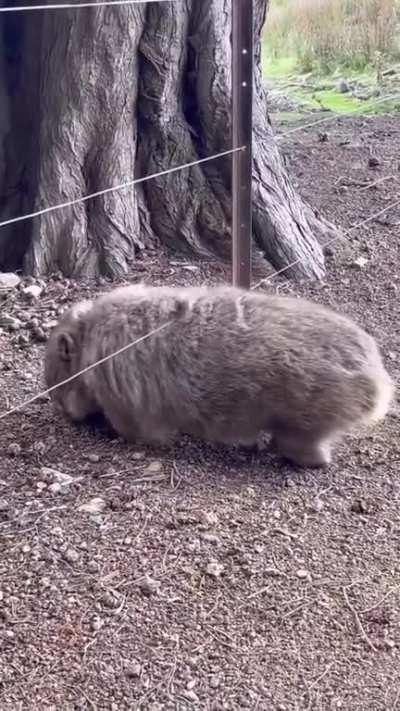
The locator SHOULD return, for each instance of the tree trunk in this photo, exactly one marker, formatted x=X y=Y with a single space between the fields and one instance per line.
x=97 y=97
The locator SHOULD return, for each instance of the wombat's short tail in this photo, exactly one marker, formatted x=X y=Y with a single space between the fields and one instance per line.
x=383 y=396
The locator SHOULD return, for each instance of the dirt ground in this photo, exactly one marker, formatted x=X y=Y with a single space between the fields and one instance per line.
x=203 y=577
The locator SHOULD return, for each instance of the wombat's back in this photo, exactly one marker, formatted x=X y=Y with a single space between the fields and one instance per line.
x=232 y=362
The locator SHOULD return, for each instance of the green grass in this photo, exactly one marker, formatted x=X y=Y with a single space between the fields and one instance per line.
x=339 y=103
x=285 y=74
x=277 y=68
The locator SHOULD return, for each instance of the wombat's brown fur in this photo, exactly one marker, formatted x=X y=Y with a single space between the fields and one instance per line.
x=231 y=365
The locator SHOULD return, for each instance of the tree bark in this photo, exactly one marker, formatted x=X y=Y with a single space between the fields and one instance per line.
x=97 y=97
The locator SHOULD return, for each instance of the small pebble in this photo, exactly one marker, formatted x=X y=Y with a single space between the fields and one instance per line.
x=209 y=518
x=153 y=468
x=39 y=334
x=149 y=586
x=214 y=681
x=92 y=566
x=359 y=263
x=33 y=291
x=94 y=458
x=109 y=600
x=318 y=505
x=14 y=449
x=56 y=488
x=215 y=569
x=138 y=455
x=303 y=574
x=53 y=475
x=8 y=280
x=10 y=322
x=94 y=506
x=373 y=162
x=96 y=623
x=23 y=340
x=133 y=669
x=71 y=555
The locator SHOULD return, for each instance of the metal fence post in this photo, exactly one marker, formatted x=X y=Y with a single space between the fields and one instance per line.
x=242 y=124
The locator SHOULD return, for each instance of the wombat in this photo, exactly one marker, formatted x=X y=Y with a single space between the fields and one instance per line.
x=230 y=366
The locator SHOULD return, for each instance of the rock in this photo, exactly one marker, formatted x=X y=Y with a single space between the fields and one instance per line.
x=39 y=334
x=53 y=475
x=93 y=458
x=14 y=449
x=23 y=340
x=343 y=86
x=328 y=251
x=92 y=566
x=71 y=555
x=359 y=263
x=8 y=280
x=303 y=574
x=133 y=669
x=209 y=519
x=360 y=507
x=96 y=623
x=33 y=291
x=214 y=681
x=10 y=322
x=214 y=569
x=149 y=586
x=138 y=455
x=94 y=506
x=373 y=162
x=317 y=506
x=154 y=468
x=108 y=599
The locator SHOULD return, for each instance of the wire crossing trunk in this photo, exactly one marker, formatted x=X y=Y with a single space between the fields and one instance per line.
x=95 y=97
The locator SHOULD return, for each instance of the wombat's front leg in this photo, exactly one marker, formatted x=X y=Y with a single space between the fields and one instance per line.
x=123 y=426
x=153 y=434
x=303 y=449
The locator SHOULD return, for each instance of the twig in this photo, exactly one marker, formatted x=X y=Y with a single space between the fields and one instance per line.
x=266 y=588
x=358 y=622
x=379 y=603
x=142 y=529
x=377 y=182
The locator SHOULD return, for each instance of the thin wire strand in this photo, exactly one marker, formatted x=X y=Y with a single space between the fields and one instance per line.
x=84 y=198
x=329 y=242
x=84 y=370
x=65 y=6
x=337 y=116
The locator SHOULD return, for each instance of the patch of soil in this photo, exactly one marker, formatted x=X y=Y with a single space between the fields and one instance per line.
x=202 y=577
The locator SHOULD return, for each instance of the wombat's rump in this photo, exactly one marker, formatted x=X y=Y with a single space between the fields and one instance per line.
x=231 y=365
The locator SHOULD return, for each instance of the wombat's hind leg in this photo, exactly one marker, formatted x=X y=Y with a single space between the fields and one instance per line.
x=304 y=450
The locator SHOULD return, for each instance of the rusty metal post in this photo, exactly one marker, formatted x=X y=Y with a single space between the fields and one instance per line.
x=242 y=133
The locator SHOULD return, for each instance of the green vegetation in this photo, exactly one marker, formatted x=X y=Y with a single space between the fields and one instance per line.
x=321 y=35
x=309 y=45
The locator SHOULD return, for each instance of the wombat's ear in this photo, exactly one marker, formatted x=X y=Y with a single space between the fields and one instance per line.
x=65 y=346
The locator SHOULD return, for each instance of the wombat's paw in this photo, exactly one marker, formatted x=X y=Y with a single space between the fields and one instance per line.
x=312 y=454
